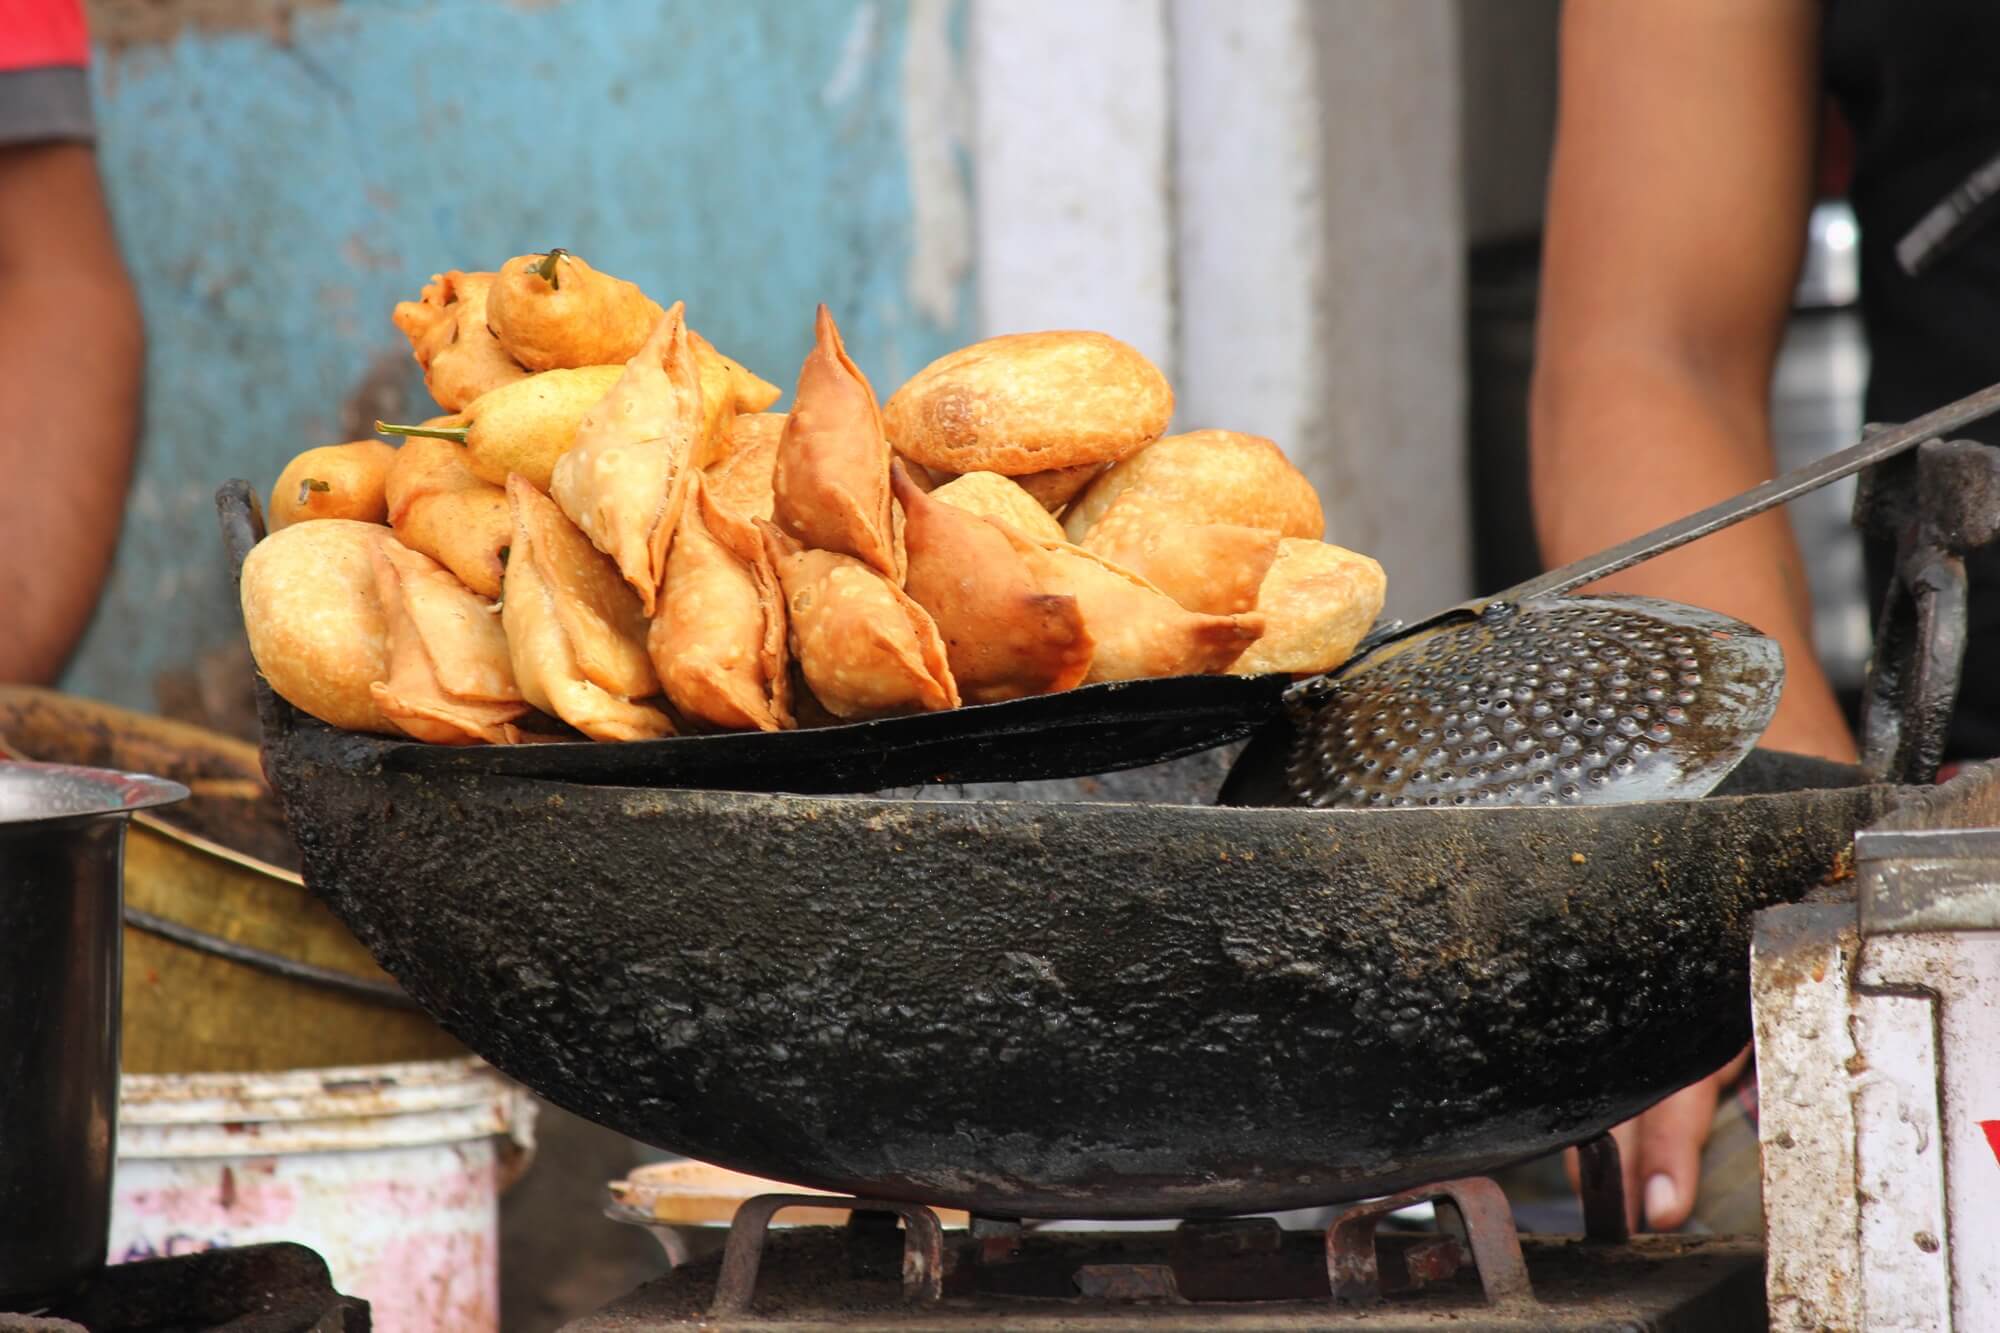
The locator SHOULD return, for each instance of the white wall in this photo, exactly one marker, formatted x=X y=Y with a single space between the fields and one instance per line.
x=1072 y=130
x=1265 y=198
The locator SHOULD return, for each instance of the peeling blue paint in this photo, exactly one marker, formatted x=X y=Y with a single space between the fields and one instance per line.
x=275 y=201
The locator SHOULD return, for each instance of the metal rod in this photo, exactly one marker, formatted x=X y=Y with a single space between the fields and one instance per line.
x=1601 y=1189
x=380 y=992
x=1873 y=449
x=1354 y=1273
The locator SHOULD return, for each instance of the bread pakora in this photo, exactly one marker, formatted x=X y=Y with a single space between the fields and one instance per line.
x=1206 y=476
x=449 y=337
x=334 y=481
x=1031 y=402
x=553 y=311
x=314 y=620
x=438 y=507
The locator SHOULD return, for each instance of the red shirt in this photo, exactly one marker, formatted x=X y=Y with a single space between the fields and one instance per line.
x=44 y=80
x=35 y=34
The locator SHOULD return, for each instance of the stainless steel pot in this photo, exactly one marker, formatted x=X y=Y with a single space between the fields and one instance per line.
x=62 y=843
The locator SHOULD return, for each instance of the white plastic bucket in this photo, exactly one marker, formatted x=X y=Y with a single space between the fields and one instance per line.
x=390 y=1172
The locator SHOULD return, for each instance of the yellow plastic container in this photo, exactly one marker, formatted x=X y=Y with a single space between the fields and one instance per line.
x=211 y=879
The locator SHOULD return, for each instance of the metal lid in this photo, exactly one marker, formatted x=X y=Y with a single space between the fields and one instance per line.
x=42 y=793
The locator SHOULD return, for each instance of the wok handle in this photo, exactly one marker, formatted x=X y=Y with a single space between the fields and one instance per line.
x=1935 y=513
x=242 y=520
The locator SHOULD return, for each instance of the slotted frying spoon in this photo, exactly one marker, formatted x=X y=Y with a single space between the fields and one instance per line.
x=1533 y=697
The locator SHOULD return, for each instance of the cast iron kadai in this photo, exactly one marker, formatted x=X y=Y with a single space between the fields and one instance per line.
x=1048 y=1009
x=1063 y=1009
x=1126 y=724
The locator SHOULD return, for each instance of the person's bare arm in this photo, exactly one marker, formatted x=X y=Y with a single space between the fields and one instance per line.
x=1677 y=207
x=1677 y=210
x=71 y=353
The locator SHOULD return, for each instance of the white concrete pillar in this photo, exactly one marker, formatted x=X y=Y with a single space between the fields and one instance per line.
x=1072 y=124
x=1264 y=198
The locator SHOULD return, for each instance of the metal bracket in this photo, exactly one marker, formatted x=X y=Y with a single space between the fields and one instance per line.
x=1601 y=1186
x=1936 y=507
x=998 y=1238
x=1921 y=880
x=743 y=1252
x=1353 y=1270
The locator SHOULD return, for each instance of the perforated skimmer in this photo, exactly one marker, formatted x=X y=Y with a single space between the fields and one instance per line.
x=1550 y=703
x=1531 y=697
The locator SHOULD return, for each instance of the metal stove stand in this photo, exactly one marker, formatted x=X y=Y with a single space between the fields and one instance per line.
x=894 y=1267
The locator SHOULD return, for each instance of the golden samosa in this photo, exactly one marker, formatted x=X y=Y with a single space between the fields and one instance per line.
x=743 y=480
x=450 y=339
x=439 y=508
x=1214 y=568
x=554 y=311
x=624 y=481
x=1056 y=487
x=990 y=495
x=450 y=679
x=718 y=643
x=1139 y=630
x=831 y=483
x=575 y=633
x=1318 y=602
x=864 y=647
x=727 y=391
x=1004 y=636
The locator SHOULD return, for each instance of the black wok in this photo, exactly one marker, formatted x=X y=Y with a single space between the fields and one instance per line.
x=1062 y=1009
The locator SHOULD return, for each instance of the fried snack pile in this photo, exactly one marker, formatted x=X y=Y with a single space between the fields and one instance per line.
x=607 y=531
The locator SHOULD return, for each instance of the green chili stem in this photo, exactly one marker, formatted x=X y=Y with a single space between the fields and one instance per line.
x=456 y=434
x=309 y=485
x=546 y=270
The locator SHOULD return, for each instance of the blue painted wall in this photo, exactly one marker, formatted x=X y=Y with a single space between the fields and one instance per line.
x=277 y=194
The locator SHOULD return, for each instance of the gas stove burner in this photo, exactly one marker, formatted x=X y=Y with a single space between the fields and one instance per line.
x=1474 y=1272
x=254 y=1289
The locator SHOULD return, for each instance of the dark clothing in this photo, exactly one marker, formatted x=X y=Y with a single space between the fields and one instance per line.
x=1917 y=86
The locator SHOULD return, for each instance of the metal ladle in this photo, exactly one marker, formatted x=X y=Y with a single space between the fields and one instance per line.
x=1533 y=697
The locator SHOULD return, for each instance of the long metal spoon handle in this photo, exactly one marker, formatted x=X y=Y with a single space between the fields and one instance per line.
x=1873 y=449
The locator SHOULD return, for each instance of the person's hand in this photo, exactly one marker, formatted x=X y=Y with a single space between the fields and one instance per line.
x=1660 y=1151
